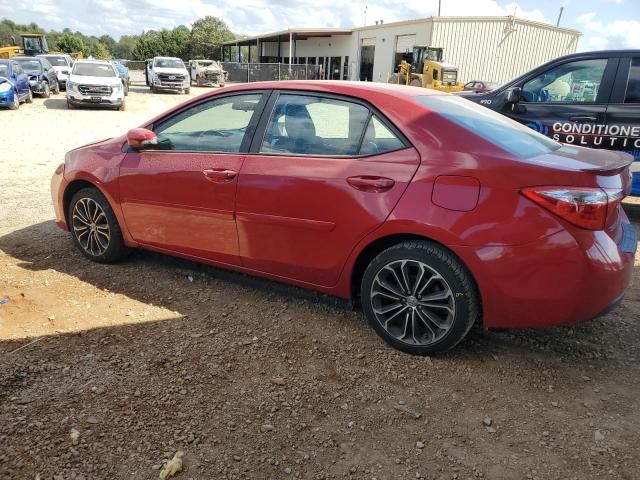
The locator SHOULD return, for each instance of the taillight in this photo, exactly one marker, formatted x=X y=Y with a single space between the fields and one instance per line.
x=583 y=206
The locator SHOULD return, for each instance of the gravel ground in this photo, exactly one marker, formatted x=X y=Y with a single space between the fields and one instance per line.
x=107 y=371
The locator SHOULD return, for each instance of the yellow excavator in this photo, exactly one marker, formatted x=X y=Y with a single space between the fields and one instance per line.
x=31 y=44
x=433 y=72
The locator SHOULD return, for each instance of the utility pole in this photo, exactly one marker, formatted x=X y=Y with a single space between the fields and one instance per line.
x=439 y=6
x=559 y=16
x=365 y=15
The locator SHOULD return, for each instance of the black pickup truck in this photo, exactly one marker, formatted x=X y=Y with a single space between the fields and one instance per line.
x=590 y=99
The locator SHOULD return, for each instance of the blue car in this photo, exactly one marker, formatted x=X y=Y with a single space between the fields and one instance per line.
x=14 y=85
x=123 y=73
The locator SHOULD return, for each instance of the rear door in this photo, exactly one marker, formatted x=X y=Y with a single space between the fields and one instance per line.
x=567 y=102
x=21 y=79
x=323 y=172
x=623 y=114
x=181 y=195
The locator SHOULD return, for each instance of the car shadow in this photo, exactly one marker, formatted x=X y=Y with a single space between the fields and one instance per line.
x=55 y=104
x=179 y=285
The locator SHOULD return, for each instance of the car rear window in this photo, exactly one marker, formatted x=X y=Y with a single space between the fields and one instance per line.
x=29 y=65
x=93 y=70
x=507 y=134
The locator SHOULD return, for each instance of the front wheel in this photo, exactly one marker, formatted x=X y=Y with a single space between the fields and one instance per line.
x=29 y=96
x=95 y=228
x=15 y=105
x=187 y=91
x=419 y=297
x=46 y=90
x=56 y=88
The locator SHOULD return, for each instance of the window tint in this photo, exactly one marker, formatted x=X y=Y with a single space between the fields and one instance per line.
x=379 y=139
x=492 y=126
x=215 y=126
x=306 y=125
x=574 y=82
x=633 y=84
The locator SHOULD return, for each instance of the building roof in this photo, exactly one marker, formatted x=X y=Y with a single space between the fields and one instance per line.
x=283 y=35
x=305 y=33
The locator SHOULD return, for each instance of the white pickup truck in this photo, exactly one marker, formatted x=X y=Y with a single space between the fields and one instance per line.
x=168 y=73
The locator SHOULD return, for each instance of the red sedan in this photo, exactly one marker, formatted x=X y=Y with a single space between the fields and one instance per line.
x=433 y=212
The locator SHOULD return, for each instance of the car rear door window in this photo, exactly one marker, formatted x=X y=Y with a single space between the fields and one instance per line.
x=218 y=125
x=378 y=138
x=314 y=125
x=573 y=82
x=633 y=84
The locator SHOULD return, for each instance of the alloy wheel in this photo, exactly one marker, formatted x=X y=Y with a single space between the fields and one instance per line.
x=91 y=227
x=412 y=302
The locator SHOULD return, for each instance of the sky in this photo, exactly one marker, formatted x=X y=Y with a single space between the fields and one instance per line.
x=604 y=23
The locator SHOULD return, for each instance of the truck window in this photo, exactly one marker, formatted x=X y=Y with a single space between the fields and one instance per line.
x=573 y=82
x=633 y=84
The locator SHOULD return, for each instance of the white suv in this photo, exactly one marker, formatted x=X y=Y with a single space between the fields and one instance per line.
x=62 y=64
x=94 y=82
x=168 y=73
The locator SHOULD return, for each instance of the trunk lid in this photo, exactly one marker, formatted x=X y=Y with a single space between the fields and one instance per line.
x=587 y=160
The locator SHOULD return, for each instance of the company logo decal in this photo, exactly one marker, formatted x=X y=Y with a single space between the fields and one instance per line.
x=539 y=127
x=597 y=135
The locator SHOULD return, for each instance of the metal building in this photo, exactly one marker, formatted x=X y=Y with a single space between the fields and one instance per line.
x=484 y=48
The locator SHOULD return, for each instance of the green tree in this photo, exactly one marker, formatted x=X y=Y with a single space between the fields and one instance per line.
x=207 y=35
x=71 y=43
x=124 y=47
x=101 y=52
x=108 y=41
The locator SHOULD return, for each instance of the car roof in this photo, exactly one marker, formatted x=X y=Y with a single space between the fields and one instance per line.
x=343 y=87
x=168 y=58
x=97 y=62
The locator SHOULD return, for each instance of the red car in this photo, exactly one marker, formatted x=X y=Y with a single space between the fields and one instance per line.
x=432 y=211
x=480 y=86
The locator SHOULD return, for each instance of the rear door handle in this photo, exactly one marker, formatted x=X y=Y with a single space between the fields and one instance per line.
x=583 y=118
x=368 y=183
x=220 y=174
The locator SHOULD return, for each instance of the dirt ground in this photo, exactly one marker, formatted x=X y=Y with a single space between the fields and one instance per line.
x=252 y=379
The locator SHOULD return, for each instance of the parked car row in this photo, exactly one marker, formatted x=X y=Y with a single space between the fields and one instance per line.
x=91 y=82
x=171 y=74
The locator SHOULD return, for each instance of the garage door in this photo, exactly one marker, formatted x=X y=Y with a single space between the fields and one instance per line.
x=405 y=43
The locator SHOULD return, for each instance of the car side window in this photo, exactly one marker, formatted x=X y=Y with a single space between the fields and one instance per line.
x=573 y=82
x=218 y=125
x=379 y=139
x=312 y=125
x=633 y=83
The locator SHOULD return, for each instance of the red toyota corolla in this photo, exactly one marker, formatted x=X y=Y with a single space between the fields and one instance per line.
x=434 y=212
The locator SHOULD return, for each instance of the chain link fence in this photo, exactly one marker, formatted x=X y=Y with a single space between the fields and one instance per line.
x=258 y=72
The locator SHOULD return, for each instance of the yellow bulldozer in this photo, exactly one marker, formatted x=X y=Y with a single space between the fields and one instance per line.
x=31 y=44
x=425 y=68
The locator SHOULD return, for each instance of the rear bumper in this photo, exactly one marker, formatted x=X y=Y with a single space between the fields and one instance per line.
x=562 y=279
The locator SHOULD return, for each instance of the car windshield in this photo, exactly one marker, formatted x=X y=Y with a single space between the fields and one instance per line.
x=93 y=70
x=492 y=126
x=168 y=63
x=57 y=61
x=4 y=70
x=29 y=65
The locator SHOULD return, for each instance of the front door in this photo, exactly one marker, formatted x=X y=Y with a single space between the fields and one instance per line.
x=367 y=55
x=567 y=102
x=623 y=115
x=325 y=173
x=180 y=196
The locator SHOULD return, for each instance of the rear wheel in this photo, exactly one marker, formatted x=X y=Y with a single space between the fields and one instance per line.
x=95 y=228
x=419 y=298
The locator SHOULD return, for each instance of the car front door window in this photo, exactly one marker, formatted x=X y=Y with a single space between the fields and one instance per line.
x=215 y=126
x=574 y=82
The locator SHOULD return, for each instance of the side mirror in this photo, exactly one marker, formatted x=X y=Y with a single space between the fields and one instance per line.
x=140 y=138
x=513 y=95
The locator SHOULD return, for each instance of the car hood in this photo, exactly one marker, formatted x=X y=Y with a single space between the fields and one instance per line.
x=108 y=81
x=5 y=80
x=581 y=159
x=176 y=71
x=59 y=68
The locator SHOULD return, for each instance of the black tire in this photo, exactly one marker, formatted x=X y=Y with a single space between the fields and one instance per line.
x=187 y=91
x=126 y=89
x=451 y=273
x=122 y=107
x=16 y=101
x=70 y=106
x=29 y=97
x=56 y=89
x=115 y=249
x=46 y=90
